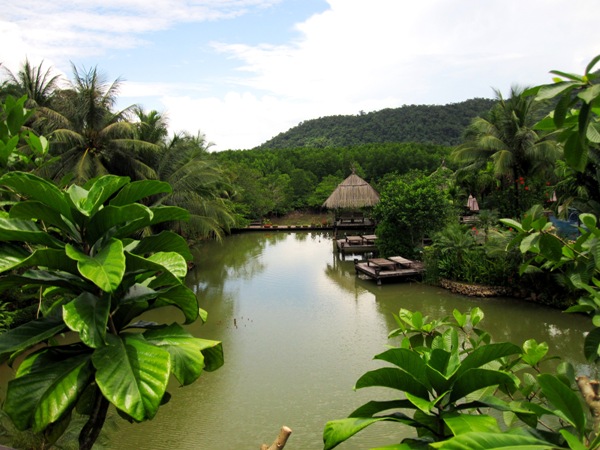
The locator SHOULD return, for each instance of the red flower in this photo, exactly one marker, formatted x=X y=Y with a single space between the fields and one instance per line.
x=526 y=188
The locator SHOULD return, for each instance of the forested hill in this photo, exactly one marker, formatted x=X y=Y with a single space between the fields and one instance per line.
x=435 y=124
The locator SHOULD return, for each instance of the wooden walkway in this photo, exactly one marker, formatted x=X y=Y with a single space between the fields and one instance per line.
x=356 y=244
x=394 y=267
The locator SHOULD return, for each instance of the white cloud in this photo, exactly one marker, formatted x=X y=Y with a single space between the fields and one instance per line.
x=73 y=28
x=421 y=51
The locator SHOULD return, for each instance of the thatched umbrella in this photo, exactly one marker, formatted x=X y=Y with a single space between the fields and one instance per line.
x=352 y=193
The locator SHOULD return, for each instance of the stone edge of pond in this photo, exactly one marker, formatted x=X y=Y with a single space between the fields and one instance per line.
x=475 y=290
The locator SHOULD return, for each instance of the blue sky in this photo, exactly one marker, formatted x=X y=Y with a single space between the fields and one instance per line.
x=243 y=71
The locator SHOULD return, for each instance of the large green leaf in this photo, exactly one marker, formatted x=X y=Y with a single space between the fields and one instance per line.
x=26 y=231
x=338 y=431
x=522 y=412
x=474 y=379
x=44 y=278
x=164 y=241
x=407 y=360
x=168 y=214
x=214 y=356
x=88 y=315
x=493 y=441
x=17 y=340
x=11 y=256
x=109 y=217
x=77 y=196
x=187 y=360
x=138 y=293
x=100 y=190
x=567 y=403
x=39 y=189
x=132 y=374
x=30 y=210
x=423 y=404
x=395 y=379
x=590 y=94
x=485 y=354
x=105 y=269
x=48 y=258
x=438 y=381
x=171 y=261
x=144 y=269
x=593 y=132
x=181 y=297
x=465 y=423
x=138 y=190
x=373 y=407
x=575 y=152
x=552 y=90
x=574 y=442
x=48 y=390
x=550 y=247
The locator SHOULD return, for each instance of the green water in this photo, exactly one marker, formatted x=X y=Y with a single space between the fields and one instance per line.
x=298 y=329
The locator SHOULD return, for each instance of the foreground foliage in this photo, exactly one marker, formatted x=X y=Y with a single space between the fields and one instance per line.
x=456 y=384
x=79 y=250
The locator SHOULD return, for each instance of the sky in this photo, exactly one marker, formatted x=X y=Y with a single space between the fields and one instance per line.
x=242 y=71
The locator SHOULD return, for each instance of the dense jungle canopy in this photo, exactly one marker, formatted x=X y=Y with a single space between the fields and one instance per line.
x=431 y=124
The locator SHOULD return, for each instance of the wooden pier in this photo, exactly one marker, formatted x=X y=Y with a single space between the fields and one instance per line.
x=394 y=267
x=356 y=244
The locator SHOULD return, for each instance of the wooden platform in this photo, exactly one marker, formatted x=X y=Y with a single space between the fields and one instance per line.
x=394 y=267
x=357 y=244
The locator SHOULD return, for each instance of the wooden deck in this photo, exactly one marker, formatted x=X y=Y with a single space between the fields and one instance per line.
x=356 y=244
x=394 y=267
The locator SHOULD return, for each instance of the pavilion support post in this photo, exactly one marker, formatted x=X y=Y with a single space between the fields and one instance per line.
x=279 y=443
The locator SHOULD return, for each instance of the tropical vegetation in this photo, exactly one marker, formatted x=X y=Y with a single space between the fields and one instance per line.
x=78 y=251
x=426 y=124
x=454 y=379
x=99 y=206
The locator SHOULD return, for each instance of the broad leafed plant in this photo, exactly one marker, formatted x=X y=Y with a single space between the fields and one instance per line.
x=80 y=250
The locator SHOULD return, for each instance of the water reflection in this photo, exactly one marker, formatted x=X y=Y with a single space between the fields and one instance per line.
x=299 y=328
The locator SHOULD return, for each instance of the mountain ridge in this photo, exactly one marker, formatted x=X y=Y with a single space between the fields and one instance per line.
x=432 y=124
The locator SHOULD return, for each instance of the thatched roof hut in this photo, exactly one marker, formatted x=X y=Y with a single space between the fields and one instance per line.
x=352 y=193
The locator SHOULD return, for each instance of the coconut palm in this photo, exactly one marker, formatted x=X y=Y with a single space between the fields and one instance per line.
x=151 y=126
x=38 y=84
x=506 y=139
x=199 y=185
x=91 y=138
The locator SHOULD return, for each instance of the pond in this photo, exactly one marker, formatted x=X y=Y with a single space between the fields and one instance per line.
x=298 y=329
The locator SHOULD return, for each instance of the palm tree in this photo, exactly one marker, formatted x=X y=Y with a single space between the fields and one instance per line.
x=90 y=138
x=152 y=126
x=506 y=139
x=38 y=84
x=199 y=185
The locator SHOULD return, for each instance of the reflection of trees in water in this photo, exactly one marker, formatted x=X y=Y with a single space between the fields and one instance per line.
x=313 y=235
x=236 y=256
x=240 y=257
x=342 y=273
x=505 y=319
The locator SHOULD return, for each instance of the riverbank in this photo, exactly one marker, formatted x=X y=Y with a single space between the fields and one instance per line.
x=475 y=290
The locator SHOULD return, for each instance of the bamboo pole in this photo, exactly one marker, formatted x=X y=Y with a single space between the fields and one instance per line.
x=279 y=443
